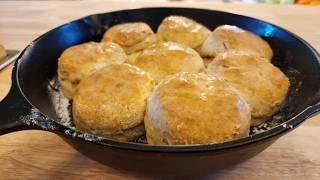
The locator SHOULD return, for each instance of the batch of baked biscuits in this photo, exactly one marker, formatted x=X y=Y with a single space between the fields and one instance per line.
x=182 y=85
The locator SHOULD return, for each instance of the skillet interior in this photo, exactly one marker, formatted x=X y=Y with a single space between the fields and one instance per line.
x=39 y=62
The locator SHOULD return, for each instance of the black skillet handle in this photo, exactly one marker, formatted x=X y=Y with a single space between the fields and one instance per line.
x=13 y=109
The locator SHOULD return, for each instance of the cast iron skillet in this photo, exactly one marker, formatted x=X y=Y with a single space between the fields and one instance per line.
x=27 y=106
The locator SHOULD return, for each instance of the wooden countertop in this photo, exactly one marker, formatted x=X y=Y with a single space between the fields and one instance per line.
x=43 y=155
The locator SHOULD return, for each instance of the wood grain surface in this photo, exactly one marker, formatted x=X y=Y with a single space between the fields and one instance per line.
x=44 y=155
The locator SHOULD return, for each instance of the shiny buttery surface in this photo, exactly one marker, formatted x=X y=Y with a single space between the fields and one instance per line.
x=195 y=108
x=131 y=37
x=183 y=30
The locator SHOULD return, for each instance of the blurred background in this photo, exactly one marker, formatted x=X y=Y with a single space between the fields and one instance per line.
x=301 y=2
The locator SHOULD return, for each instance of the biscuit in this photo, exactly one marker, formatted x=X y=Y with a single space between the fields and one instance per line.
x=79 y=61
x=111 y=102
x=168 y=58
x=183 y=30
x=227 y=37
x=132 y=37
x=261 y=84
x=195 y=108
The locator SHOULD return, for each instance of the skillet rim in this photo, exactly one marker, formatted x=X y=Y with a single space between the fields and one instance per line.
x=268 y=134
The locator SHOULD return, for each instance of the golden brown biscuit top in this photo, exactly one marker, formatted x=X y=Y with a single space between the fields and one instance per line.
x=88 y=57
x=148 y=41
x=227 y=37
x=113 y=98
x=263 y=85
x=168 y=58
x=183 y=30
x=128 y=34
x=79 y=61
x=195 y=108
x=85 y=53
